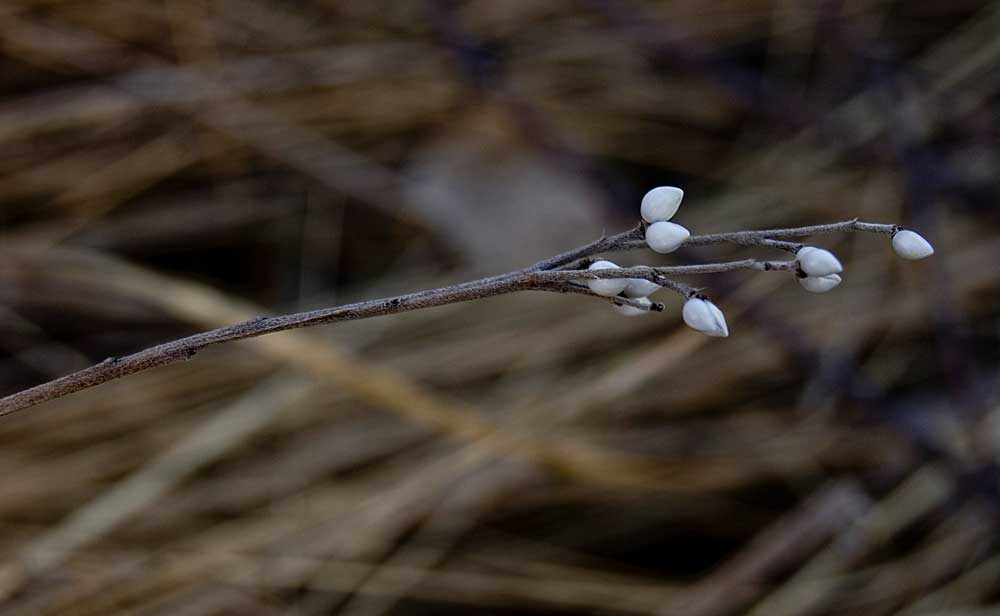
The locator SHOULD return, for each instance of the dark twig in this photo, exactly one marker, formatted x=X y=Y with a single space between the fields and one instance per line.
x=767 y=237
x=610 y=243
x=634 y=239
x=543 y=276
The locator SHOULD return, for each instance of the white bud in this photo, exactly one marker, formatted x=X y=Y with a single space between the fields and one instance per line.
x=664 y=237
x=817 y=262
x=640 y=287
x=704 y=316
x=634 y=311
x=910 y=245
x=661 y=203
x=820 y=284
x=608 y=287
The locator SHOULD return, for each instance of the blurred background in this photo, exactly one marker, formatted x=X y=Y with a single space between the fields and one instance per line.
x=170 y=166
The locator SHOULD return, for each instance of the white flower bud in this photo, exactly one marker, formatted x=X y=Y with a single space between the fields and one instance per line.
x=705 y=317
x=820 y=284
x=608 y=287
x=664 y=237
x=661 y=203
x=640 y=287
x=817 y=262
x=910 y=245
x=633 y=311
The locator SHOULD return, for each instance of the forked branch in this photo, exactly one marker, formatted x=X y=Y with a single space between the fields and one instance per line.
x=570 y=272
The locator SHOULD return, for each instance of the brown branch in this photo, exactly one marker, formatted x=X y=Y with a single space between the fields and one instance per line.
x=635 y=239
x=767 y=237
x=610 y=243
x=543 y=276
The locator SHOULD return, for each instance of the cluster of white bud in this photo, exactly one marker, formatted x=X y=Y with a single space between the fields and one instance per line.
x=662 y=236
x=658 y=207
x=818 y=269
x=636 y=289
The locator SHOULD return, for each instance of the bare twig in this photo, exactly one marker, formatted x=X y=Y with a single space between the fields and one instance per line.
x=543 y=276
x=609 y=243
x=767 y=237
x=634 y=239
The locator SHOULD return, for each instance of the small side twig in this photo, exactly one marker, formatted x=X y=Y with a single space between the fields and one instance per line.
x=768 y=237
x=633 y=239
x=609 y=243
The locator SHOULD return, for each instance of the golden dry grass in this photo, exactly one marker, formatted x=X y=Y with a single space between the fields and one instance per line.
x=169 y=167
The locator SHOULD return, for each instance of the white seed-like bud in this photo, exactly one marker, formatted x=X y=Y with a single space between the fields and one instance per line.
x=911 y=245
x=820 y=284
x=608 y=287
x=640 y=287
x=705 y=317
x=661 y=203
x=634 y=311
x=817 y=262
x=664 y=237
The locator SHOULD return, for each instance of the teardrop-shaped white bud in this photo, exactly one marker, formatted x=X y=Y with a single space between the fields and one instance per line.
x=634 y=311
x=705 y=317
x=911 y=245
x=664 y=237
x=820 y=284
x=608 y=287
x=661 y=203
x=640 y=287
x=817 y=262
